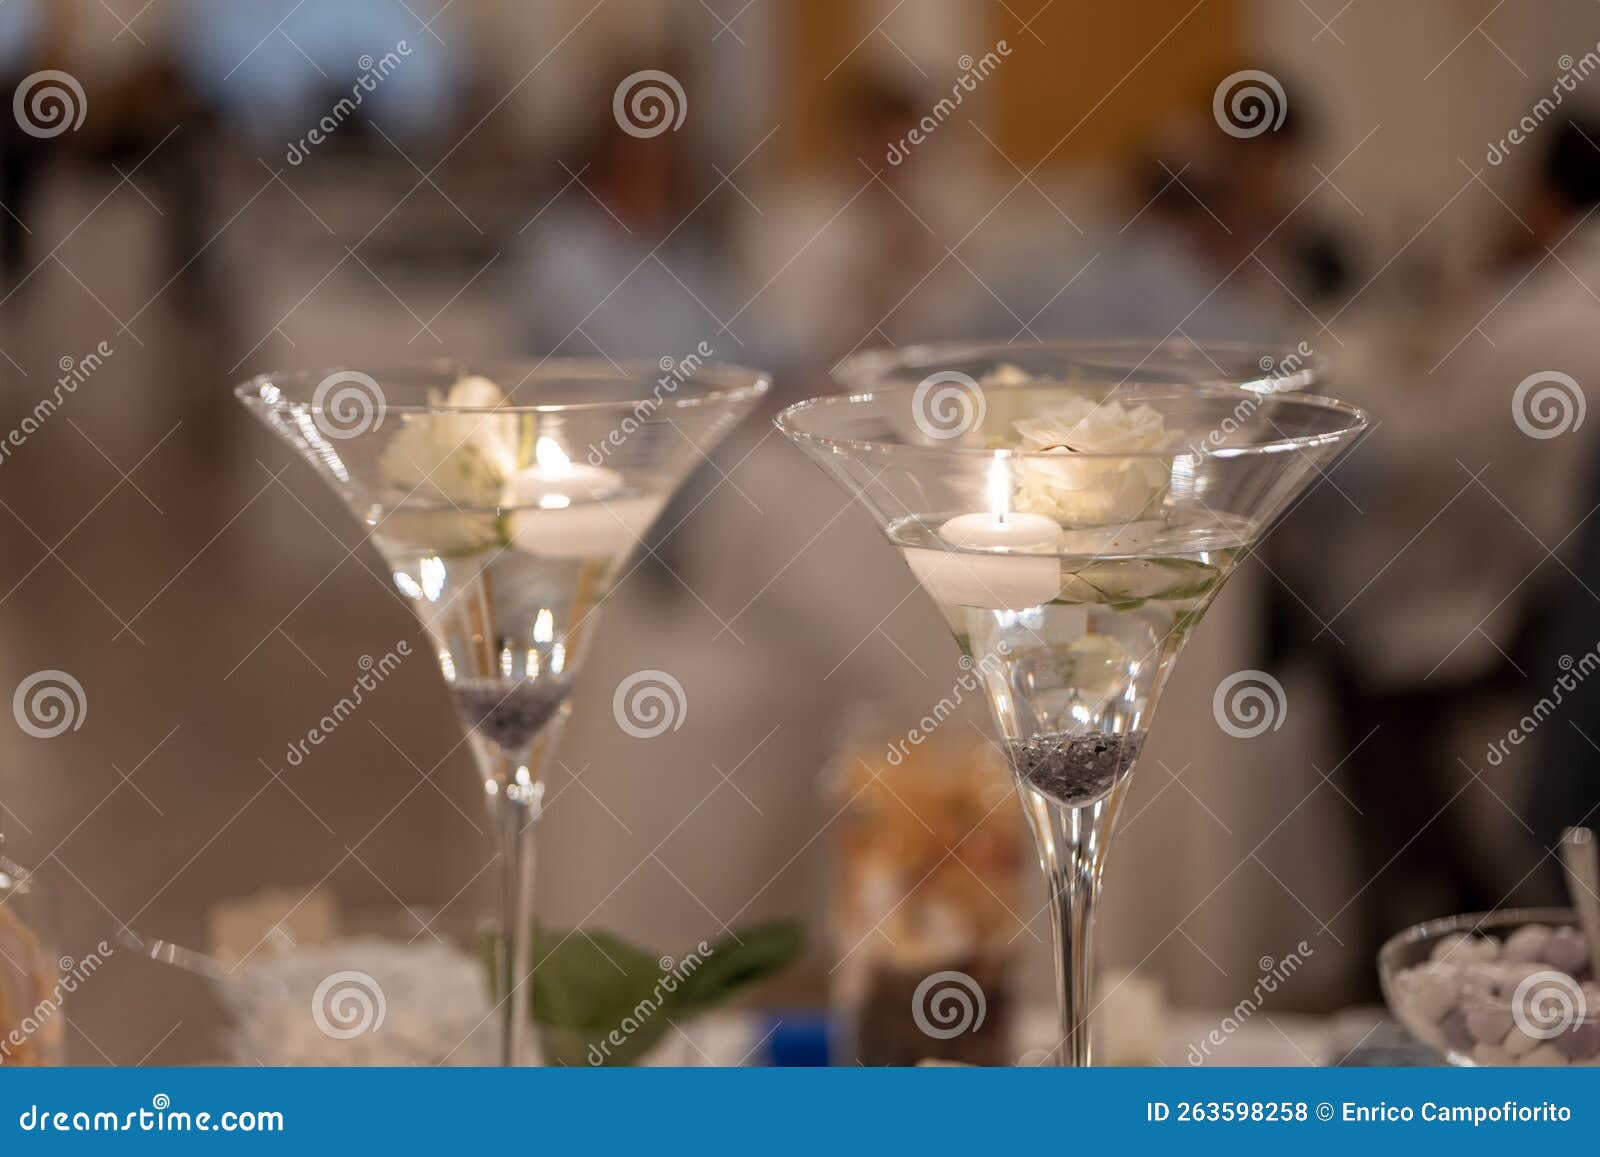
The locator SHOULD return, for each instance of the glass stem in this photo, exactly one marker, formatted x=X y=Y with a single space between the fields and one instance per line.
x=515 y=795
x=1072 y=846
x=515 y=821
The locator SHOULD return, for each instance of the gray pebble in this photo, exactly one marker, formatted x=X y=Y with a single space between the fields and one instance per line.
x=1489 y=1025
x=1519 y=1044
x=1525 y=944
x=1567 y=951
x=1465 y=948
x=1491 y=1055
x=1455 y=1032
x=1580 y=1042
x=1545 y=1055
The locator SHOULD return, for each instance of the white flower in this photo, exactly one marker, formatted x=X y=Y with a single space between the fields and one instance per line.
x=1078 y=490
x=460 y=458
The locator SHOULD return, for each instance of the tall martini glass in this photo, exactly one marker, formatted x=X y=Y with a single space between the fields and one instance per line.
x=1072 y=511
x=505 y=500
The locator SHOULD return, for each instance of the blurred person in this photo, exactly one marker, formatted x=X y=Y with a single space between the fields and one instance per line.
x=272 y=69
x=856 y=253
x=1433 y=613
x=21 y=51
x=1560 y=218
x=629 y=260
x=1212 y=239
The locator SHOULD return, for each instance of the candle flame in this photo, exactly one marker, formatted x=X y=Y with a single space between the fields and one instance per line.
x=551 y=457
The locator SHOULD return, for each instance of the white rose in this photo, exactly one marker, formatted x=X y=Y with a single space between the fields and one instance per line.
x=461 y=458
x=1077 y=490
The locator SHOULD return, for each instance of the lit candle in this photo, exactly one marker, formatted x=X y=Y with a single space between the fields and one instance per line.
x=564 y=509
x=999 y=581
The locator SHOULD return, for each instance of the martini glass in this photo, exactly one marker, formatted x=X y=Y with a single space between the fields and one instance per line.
x=505 y=500
x=1072 y=511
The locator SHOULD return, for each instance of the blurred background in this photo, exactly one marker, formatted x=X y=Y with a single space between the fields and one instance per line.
x=846 y=174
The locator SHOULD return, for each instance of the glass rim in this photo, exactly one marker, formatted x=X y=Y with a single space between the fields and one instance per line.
x=1469 y=922
x=857 y=371
x=786 y=420
x=718 y=382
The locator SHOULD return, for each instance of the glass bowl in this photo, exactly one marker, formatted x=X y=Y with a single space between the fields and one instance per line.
x=1513 y=987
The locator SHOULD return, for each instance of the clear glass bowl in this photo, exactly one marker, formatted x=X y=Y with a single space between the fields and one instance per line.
x=1513 y=987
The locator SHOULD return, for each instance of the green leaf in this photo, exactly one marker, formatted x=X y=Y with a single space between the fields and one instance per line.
x=598 y=1000
x=733 y=964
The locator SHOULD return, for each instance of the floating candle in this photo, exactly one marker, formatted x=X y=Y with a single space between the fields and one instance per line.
x=566 y=509
x=1001 y=581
